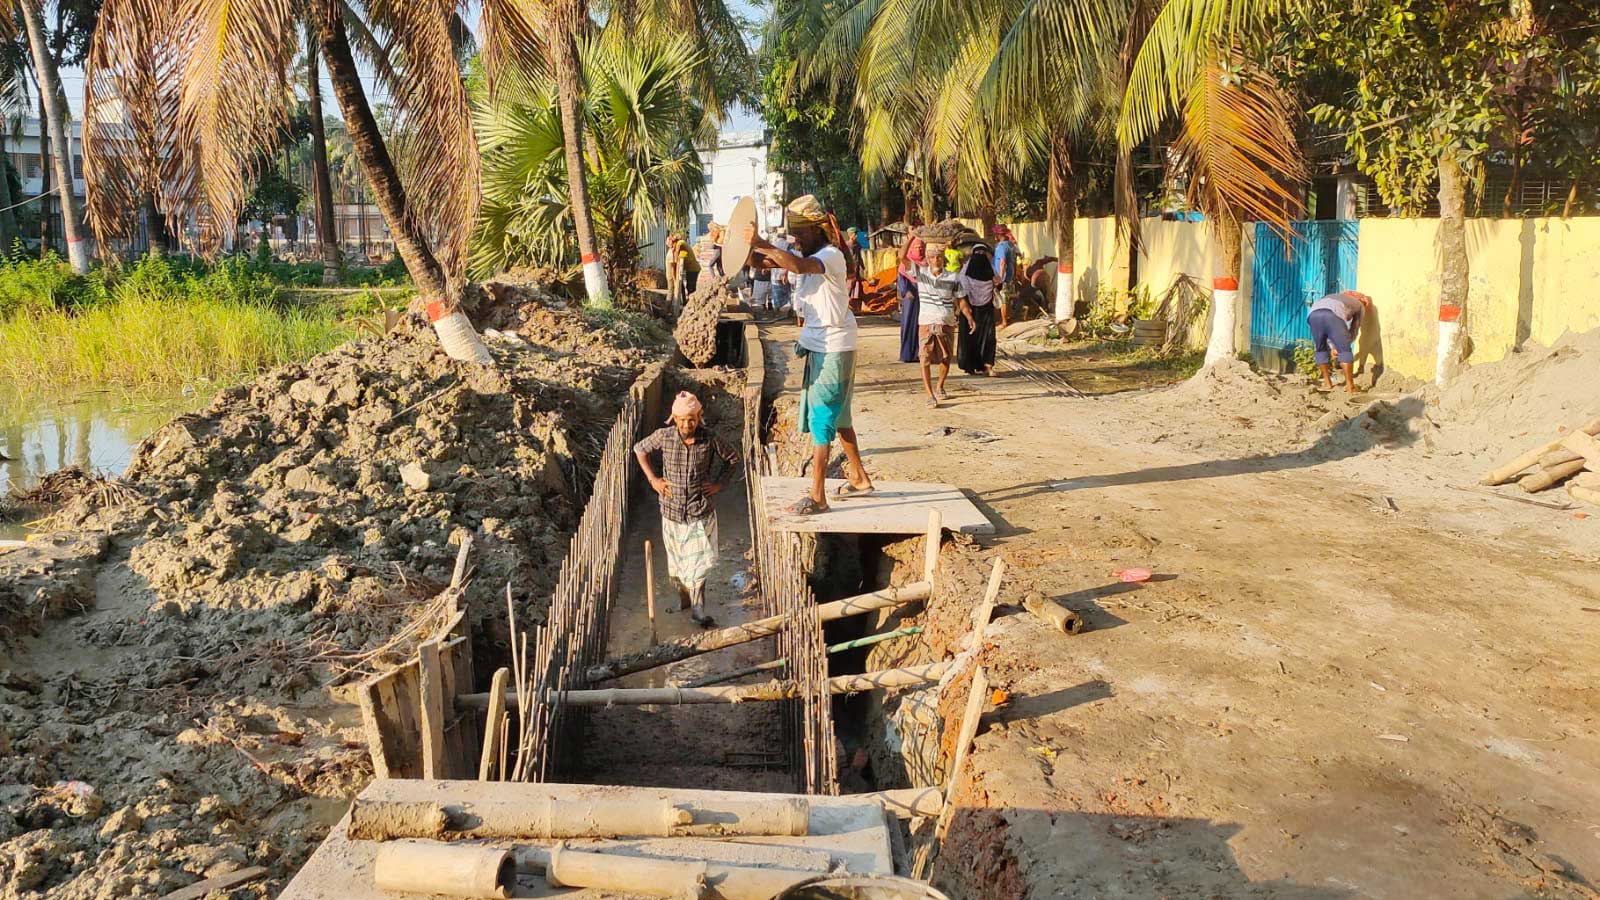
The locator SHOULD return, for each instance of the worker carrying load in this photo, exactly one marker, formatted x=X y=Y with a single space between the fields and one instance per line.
x=1335 y=321
x=689 y=482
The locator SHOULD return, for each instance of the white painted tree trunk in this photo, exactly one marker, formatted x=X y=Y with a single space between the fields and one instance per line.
x=1224 y=319
x=594 y=281
x=1065 y=290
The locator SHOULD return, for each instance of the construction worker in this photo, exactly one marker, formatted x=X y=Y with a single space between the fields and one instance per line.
x=688 y=485
x=1335 y=321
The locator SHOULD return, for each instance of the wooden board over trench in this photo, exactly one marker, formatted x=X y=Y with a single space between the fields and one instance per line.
x=895 y=507
x=845 y=831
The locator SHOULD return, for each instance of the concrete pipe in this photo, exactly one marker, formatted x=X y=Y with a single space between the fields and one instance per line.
x=552 y=818
x=787 y=817
x=381 y=820
x=625 y=874
x=454 y=870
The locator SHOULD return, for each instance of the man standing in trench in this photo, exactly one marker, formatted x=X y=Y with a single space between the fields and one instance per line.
x=827 y=344
x=688 y=486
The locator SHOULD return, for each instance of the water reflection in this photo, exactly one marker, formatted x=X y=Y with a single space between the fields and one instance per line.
x=89 y=427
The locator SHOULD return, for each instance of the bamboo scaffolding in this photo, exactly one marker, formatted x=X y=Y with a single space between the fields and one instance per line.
x=913 y=676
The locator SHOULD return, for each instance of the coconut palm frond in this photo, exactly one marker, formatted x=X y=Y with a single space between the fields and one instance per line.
x=235 y=59
x=131 y=151
x=373 y=52
x=435 y=151
x=514 y=51
x=1182 y=40
x=1238 y=142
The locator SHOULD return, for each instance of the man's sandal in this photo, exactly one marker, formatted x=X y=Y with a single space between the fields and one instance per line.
x=847 y=490
x=805 y=506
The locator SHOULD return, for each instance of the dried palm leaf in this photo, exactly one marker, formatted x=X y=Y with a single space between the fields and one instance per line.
x=431 y=135
x=236 y=56
x=1238 y=142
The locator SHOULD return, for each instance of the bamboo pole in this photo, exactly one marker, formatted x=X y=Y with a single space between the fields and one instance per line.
x=772 y=664
x=558 y=814
x=689 y=646
x=912 y=676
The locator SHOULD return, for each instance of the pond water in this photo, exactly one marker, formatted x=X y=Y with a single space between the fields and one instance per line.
x=89 y=426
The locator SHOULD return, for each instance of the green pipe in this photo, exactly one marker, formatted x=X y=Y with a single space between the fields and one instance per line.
x=780 y=663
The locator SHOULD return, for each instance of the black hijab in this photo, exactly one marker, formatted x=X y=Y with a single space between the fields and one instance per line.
x=979 y=268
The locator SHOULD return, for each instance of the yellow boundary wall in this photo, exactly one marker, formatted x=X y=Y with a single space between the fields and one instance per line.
x=1532 y=279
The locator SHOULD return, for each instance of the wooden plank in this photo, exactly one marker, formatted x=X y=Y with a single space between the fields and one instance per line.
x=895 y=507
x=492 y=722
x=396 y=693
x=200 y=889
x=1515 y=467
x=459 y=755
x=931 y=542
x=371 y=727
x=430 y=702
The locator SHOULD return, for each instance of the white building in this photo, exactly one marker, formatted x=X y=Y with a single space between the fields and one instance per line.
x=737 y=167
x=23 y=148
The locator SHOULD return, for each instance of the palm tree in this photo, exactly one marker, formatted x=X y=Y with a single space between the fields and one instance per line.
x=979 y=92
x=322 y=183
x=215 y=74
x=641 y=163
x=569 y=16
x=1237 y=134
x=55 y=105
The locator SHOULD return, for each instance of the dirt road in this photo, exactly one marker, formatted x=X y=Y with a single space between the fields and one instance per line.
x=1344 y=681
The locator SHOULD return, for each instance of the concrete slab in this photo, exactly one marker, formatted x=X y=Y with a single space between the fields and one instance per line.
x=845 y=832
x=895 y=507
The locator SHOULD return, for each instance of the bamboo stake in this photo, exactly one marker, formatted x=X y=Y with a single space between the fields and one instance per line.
x=930 y=547
x=969 y=730
x=650 y=591
x=492 y=740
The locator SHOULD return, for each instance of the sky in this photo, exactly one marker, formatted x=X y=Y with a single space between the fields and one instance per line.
x=739 y=119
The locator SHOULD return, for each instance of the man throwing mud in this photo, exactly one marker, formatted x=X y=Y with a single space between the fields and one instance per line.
x=687 y=485
x=1335 y=321
x=827 y=344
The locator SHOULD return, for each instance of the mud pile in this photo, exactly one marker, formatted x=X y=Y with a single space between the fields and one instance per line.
x=696 y=331
x=185 y=724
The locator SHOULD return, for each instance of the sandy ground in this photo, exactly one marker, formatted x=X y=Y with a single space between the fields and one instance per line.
x=1347 y=679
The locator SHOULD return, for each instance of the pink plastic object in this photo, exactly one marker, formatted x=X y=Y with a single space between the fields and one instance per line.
x=1132 y=576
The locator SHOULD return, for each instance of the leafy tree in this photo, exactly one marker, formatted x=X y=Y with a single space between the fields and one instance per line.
x=1424 y=106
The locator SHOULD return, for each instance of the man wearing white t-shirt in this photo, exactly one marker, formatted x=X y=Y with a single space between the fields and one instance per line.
x=827 y=343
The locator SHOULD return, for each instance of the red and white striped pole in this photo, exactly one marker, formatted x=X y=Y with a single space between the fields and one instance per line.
x=1224 y=318
x=594 y=281
x=1447 y=363
x=1064 y=291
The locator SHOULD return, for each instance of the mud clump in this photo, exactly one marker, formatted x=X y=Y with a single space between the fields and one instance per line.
x=259 y=556
x=696 y=332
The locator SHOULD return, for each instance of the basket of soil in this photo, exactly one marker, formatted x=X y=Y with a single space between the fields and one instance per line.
x=1149 y=332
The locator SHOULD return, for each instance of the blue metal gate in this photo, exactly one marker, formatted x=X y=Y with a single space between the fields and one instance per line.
x=1286 y=279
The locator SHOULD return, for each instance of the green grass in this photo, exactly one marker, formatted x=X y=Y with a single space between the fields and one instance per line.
x=160 y=321
x=139 y=341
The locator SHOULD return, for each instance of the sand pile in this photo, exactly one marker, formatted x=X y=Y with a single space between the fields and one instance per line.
x=1501 y=408
x=1228 y=408
x=186 y=723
